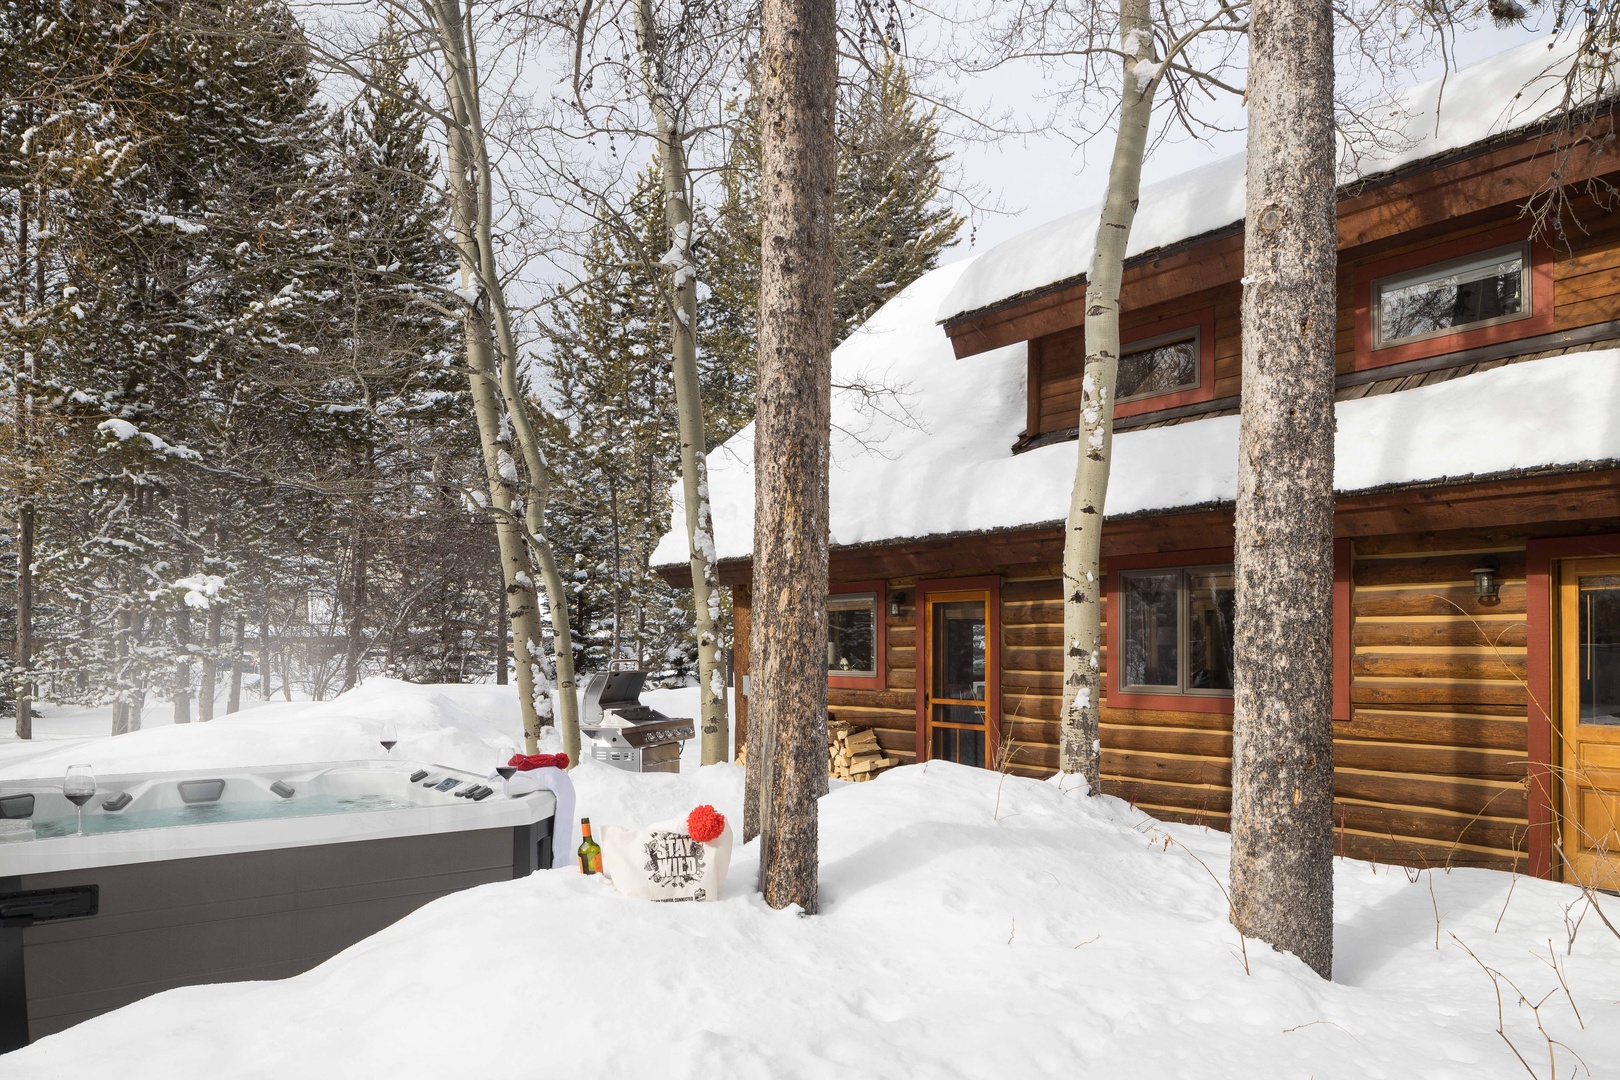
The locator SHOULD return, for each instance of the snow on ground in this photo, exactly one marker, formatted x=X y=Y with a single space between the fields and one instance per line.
x=972 y=926
x=1501 y=94
x=463 y=726
x=937 y=459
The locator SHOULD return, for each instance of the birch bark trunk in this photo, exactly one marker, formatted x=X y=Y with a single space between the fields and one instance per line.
x=25 y=620
x=238 y=636
x=354 y=624
x=210 y=664
x=1079 y=731
x=182 y=669
x=264 y=657
x=1282 y=745
x=688 y=392
x=789 y=647
x=499 y=402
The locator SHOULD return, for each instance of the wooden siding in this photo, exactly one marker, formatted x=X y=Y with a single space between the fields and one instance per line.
x=1586 y=292
x=1430 y=767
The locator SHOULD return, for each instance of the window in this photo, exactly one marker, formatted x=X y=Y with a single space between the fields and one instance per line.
x=1451 y=296
x=1176 y=636
x=852 y=634
x=1160 y=365
x=1480 y=290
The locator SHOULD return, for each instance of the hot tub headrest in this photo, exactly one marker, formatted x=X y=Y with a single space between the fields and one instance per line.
x=199 y=791
x=18 y=805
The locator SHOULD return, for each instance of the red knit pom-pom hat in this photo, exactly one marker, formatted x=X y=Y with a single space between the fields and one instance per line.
x=705 y=824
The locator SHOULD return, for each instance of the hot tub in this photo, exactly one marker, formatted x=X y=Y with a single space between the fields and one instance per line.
x=217 y=876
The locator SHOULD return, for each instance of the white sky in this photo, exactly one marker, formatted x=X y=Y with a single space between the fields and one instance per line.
x=1039 y=178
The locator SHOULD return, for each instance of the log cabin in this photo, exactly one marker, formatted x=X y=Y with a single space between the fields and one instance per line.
x=1476 y=645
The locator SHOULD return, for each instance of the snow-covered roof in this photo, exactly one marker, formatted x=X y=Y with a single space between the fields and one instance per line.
x=1505 y=93
x=922 y=441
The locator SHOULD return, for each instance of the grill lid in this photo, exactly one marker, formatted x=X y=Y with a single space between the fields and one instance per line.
x=618 y=687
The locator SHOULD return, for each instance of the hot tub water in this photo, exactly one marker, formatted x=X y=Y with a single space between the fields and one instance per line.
x=211 y=813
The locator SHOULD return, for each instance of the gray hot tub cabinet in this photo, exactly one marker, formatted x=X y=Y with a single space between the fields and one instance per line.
x=80 y=942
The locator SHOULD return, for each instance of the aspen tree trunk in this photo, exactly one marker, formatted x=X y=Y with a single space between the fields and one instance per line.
x=798 y=70
x=210 y=665
x=182 y=670
x=1079 y=732
x=264 y=656
x=25 y=512
x=120 y=711
x=502 y=625
x=354 y=625
x=688 y=392
x=472 y=195
x=137 y=696
x=25 y=620
x=1282 y=743
x=238 y=636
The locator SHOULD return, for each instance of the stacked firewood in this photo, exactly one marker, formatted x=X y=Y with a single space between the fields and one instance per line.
x=853 y=753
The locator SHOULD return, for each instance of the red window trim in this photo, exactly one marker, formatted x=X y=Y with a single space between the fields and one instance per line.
x=1541 y=299
x=1118 y=698
x=1202 y=320
x=879 y=681
x=1343 y=629
x=992 y=659
x=1540 y=557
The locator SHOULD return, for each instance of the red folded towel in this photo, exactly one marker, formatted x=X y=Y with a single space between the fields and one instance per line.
x=525 y=762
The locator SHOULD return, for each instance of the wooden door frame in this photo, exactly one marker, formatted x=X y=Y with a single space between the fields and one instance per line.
x=1569 y=748
x=991 y=586
x=1542 y=578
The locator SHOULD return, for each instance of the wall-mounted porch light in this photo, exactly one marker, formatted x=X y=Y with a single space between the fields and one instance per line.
x=1486 y=586
x=896 y=602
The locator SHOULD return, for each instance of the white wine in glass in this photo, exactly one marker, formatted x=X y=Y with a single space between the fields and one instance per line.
x=79 y=786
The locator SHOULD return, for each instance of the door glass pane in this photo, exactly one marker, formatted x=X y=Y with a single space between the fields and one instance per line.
x=1159 y=369
x=852 y=634
x=1599 y=660
x=1149 y=638
x=1489 y=288
x=964 y=746
x=1210 y=605
x=958 y=660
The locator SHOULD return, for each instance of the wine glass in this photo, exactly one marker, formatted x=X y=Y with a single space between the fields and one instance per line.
x=504 y=766
x=79 y=785
x=388 y=738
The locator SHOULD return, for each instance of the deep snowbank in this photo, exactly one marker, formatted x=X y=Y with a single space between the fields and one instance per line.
x=972 y=926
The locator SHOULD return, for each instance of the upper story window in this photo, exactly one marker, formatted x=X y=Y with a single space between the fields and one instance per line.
x=1451 y=296
x=1177 y=632
x=1446 y=298
x=852 y=634
x=1159 y=365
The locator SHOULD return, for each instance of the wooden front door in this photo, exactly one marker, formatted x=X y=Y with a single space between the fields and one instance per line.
x=957 y=680
x=1589 y=719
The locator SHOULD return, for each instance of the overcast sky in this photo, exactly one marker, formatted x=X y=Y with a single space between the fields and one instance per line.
x=1041 y=177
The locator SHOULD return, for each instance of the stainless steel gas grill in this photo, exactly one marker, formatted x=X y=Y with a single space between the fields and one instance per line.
x=625 y=733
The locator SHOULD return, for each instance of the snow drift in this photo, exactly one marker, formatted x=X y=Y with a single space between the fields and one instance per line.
x=973 y=925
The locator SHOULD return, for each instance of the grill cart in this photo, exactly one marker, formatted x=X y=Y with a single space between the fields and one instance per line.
x=622 y=731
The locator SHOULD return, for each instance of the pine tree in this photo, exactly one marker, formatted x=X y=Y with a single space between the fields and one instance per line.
x=612 y=401
x=892 y=226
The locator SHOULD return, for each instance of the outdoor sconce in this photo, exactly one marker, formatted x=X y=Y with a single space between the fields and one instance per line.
x=1486 y=587
x=896 y=600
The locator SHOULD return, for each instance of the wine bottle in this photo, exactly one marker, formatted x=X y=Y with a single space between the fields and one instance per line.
x=590 y=853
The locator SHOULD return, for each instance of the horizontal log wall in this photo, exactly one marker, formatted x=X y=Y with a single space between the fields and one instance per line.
x=1586 y=291
x=1432 y=764
x=1430 y=767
